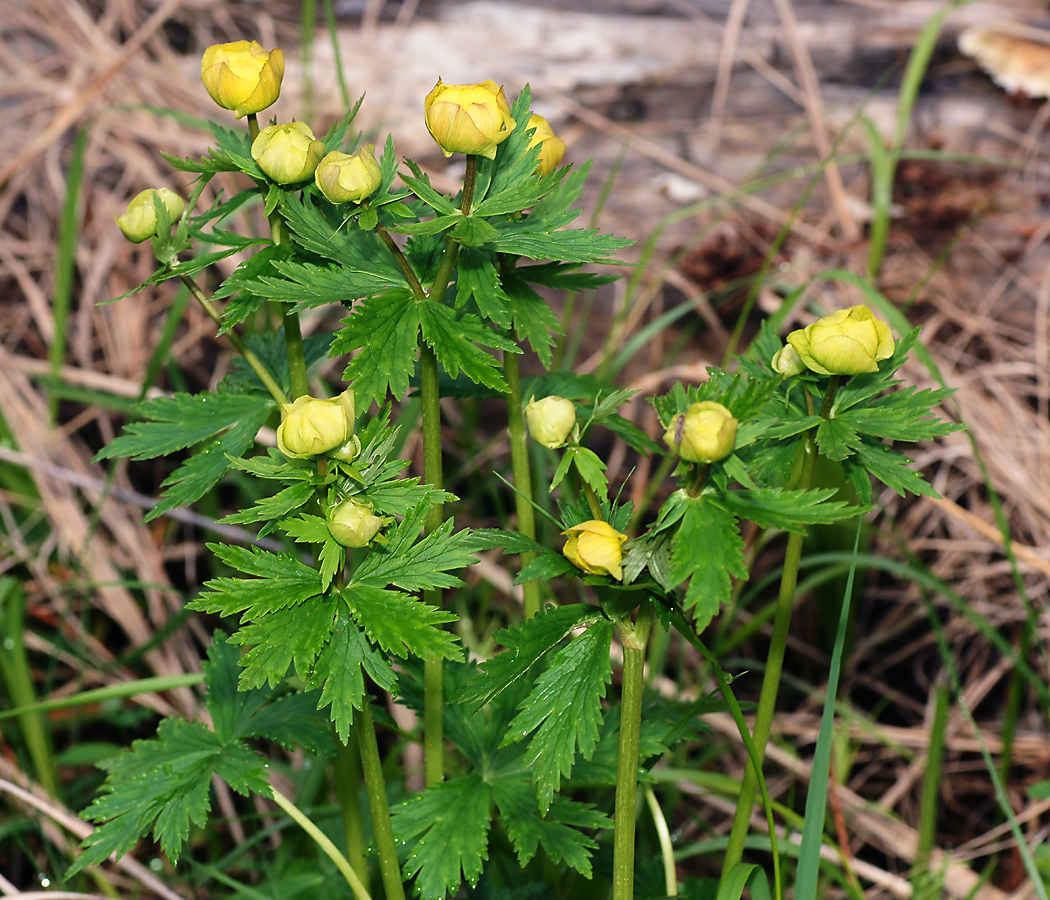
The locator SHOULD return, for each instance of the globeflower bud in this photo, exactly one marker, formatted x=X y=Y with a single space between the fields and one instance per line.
x=595 y=547
x=242 y=76
x=287 y=153
x=552 y=147
x=705 y=433
x=353 y=524
x=349 y=178
x=139 y=222
x=468 y=118
x=550 y=420
x=787 y=362
x=846 y=342
x=310 y=427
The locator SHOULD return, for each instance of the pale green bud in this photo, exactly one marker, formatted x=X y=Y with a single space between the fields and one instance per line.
x=846 y=342
x=705 y=433
x=139 y=222
x=287 y=153
x=550 y=420
x=353 y=524
x=787 y=362
x=349 y=178
x=310 y=426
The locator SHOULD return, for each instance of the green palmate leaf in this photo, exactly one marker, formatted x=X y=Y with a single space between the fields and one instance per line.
x=562 y=277
x=333 y=139
x=903 y=415
x=423 y=564
x=526 y=644
x=340 y=669
x=420 y=185
x=308 y=285
x=276 y=506
x=384 y=331
x=528 y=829
x=293 y=635
x=471 y=231
x=455 y=341
x=790 y=510
x=579 y=245
x=281 y=581
x=236 y=146
x=836 y=439
x=890 y=467
x=575 y=681
x=544 y=567
x=533 y=319
x=400 y=624
x=437 y=225
x=451 y=821
x=174 y=423
x=588 y=464
x=477 y=278
x=243 y=284
x=707 y=551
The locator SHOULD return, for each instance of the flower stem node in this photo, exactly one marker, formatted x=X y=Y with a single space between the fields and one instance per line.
x=705 y=433
x=596 y=547
x=468 y=118
x=550 y=420
x=846 y=342
x=310 y=426
x=349 y=178
x=287 y=153
x=353 y=524
x=139 y=222
x=552 y=147
x=242 y=76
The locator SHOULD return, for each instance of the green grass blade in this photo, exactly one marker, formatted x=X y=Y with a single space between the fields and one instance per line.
x=333 y=33
x=817 y=798
x=112 y=692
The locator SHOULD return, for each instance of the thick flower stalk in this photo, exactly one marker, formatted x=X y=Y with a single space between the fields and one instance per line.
x=349 y=177
x=596 y=547
x=550 y=420
x=139 y=222
x=846 y=342
x=310 y=427
x=552 y=147
x=287 y=153
x=468 y=118
x=243 y=76
x=705 y=433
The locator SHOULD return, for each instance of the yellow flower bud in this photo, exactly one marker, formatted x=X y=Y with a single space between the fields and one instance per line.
x=242 y=76
x=595 y=547
x=287 y=153
x=705 y=433
x=846 y=342
x=552 y=147
x=468 y=118
x=349 y=178
x=310 y=427
x=139 y=222
x=353 y=524
x=787 y=362
x=550 y=420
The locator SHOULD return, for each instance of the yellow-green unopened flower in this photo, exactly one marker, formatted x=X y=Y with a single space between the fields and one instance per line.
x=287 y=153
x=242 y=76
x=139 y=222
x=310 y=427
x=550 y=420
x=787 y=362
x=353 y=524
x=468 y=118
x=349 y=178
x=595 y=547
x=552 y=147
x=846 y=342
x=705 y=433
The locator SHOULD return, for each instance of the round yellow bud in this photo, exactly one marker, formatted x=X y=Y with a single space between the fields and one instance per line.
x=595 y=547
x=353 y=524
x=139 y=222
x=287 y=153
x=787 y=362
x=242 y=76
x=552 y=147
x=468 y=118
x=846 y=342
x=349 y=178
x=550 y=420
x=310 y=427
x=705 y=433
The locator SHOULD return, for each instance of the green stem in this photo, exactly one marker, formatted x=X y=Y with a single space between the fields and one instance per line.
x=519 y=459
x=663 y=834
x=253 y=125
x=592 y=499
x=293 y=338
x=327 y=847
x=376 y=789
x=634 y=639
x=254 y=363
x=402 y=262
x=767 y=698
x=347 y=788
